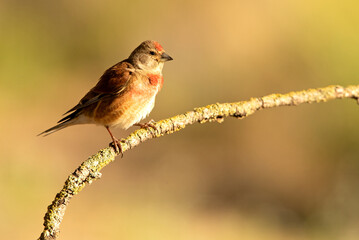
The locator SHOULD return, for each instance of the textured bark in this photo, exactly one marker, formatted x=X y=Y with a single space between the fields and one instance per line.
x=89 y=170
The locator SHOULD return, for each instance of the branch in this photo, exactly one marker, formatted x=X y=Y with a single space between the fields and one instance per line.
x=89 y=170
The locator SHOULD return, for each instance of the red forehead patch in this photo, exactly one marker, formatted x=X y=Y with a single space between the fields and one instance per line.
x=158 y=46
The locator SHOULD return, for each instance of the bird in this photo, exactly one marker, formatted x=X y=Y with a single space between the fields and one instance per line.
x=124 y=95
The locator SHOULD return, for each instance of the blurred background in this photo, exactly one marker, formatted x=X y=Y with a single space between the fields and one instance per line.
x=284 y=173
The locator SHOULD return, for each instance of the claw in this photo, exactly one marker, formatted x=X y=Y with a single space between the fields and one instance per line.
x=149 y=124
x=117 y=147
x=115 y=143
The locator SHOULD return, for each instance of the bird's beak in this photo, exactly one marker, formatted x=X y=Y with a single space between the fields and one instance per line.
x=165 y=57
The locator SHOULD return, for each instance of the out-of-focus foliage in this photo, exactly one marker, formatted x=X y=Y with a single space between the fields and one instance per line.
x=288 y=173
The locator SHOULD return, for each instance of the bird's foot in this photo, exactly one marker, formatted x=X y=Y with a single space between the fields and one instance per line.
x=150 y=124
x=116 y=145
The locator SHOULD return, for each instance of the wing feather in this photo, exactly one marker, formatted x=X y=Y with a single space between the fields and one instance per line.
x=112 y=82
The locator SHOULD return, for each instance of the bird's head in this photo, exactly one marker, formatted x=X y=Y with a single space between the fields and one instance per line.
x=149 y=56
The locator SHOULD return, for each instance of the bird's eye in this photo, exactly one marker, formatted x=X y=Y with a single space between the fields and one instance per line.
x=152 y=53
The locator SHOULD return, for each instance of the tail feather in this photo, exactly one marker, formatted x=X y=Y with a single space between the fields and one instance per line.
x=69 y=117
x=56 y=128
x=65 y=122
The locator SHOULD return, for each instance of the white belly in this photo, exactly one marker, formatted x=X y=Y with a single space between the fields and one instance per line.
x=135 y=113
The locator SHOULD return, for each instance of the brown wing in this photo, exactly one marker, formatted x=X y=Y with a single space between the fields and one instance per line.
x=112 y=82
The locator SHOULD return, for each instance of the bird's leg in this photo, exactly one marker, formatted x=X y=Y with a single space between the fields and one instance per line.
x=115 y=143
x=149 y=124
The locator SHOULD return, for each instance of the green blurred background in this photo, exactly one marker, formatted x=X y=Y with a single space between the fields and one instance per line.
x=285 y=173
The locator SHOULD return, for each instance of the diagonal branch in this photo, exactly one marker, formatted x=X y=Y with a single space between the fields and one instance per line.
x=89 y=170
